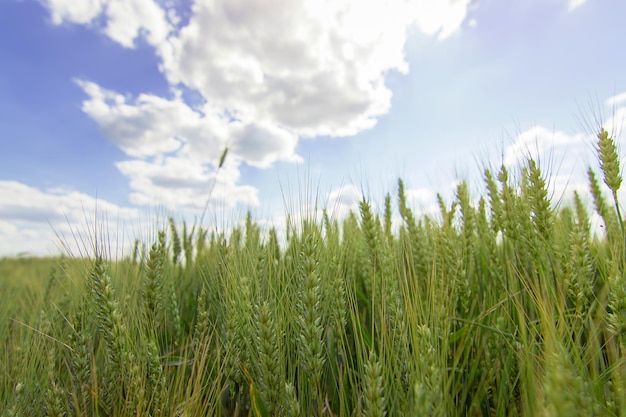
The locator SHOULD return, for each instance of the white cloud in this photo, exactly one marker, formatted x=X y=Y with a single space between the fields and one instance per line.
x=561 y=188
x=309 y=67
x=315 y=67
x=81 y=12
x=176 y=149
x=270 y=72
x=533 y=143
x=17 y=239
x=180 y=182
x=616 y=100
x=125 y=20
x=422 y=200
x=30 y=219
x=573 y=4
x=261 y=144
x=341 y=201
x=22 y=202
x=149 y=126
x=616 y=123
x=441 y=18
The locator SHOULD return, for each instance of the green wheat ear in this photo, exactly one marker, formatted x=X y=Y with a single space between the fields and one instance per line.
x=539 y=201
x=222 y=158
x=269 y=364
x=609 y=160
x=373 y=396
x=609 y=163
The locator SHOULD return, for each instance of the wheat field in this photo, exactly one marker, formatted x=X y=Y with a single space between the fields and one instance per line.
x=501 y=305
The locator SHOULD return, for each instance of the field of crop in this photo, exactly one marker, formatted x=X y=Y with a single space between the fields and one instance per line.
x=506 y=307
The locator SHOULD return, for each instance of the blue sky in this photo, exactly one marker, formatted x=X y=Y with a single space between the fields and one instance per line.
x=126 y=105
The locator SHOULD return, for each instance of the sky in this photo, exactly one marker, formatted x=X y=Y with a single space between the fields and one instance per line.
x=114 y=113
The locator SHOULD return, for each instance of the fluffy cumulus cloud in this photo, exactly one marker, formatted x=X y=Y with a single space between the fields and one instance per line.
x=178 y=182
x=122 y=20
x=341 y=201
x=83 y=12
x=146 y=127
x=175 y=149
x=44 y=222
x=534 y=142
x=314 y=66
x=269 y=71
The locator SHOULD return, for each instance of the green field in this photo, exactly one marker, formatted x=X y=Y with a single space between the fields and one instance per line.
x=508 y=306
